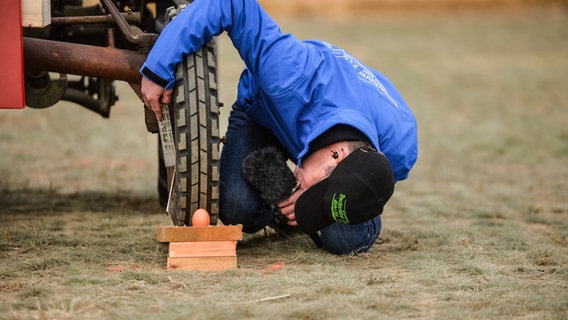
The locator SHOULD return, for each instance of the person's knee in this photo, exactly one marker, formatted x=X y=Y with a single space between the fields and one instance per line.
x=233 y=210
x=253 y=216
x=351 y=239
x=345 y=245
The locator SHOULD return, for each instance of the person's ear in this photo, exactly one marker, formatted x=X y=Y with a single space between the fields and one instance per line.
x=337 y=154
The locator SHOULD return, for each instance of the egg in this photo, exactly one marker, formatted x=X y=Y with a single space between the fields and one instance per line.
x=200 y=218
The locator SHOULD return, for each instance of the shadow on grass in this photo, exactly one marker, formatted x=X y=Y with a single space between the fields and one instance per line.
x=34 y=201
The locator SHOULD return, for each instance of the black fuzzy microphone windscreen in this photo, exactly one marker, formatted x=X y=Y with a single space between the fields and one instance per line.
x=267 y=171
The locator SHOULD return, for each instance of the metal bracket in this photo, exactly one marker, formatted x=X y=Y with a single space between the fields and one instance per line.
x=132 y=33
x=42 y=91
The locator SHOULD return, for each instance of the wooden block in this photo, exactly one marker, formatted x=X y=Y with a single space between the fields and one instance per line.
x=203 y=249
x=191 y=234
x=202 y=263
x=36 y=13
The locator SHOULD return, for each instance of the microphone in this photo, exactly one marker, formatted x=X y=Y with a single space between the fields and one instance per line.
x=266 y=170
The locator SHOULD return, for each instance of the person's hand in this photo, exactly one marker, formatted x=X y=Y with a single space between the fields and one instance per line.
x=154 y=96
x=287 y=207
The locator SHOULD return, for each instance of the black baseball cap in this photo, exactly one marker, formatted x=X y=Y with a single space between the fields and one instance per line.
x=356 y=191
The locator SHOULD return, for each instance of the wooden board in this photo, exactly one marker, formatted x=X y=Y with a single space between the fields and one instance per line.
x=203 y=249
x=202 y=263
x=36 y=13
x=191 y=234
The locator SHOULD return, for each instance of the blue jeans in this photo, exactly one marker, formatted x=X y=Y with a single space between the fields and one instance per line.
x=351 y=238
x=241 y=204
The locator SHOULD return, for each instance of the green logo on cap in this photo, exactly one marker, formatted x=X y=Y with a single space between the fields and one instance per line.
x=338 y=206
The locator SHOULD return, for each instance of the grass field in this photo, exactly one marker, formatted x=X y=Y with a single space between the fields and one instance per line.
x=478 y=231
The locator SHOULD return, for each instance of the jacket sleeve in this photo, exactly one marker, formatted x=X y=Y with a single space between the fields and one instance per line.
x=256 y=36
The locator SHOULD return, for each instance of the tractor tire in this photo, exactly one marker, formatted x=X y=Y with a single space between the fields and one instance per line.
x=195 y=124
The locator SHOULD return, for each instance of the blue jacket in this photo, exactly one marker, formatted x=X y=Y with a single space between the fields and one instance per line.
x=297 y=89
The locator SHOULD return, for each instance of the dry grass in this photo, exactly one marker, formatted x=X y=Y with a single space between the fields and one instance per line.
x=480 y=229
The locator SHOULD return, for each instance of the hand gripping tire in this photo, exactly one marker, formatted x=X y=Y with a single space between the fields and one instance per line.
x=195 y=122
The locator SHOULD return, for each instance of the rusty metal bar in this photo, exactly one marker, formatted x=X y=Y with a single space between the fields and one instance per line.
x=132 y=33
x=130 y=17
x=79 y=59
